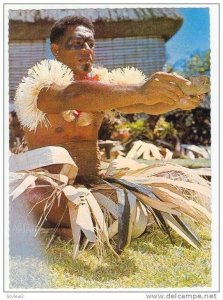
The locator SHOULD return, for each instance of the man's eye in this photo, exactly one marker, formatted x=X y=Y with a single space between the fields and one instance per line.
x=91 y=44
x=75 y=44
x=80 y=43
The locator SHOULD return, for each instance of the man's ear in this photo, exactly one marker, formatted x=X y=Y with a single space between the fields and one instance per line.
x=54 y=49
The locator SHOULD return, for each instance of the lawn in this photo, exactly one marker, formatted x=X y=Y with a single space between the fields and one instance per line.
x=149 y=262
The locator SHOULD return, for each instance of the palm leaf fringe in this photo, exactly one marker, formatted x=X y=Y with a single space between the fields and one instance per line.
x=168 y=192
x=164 y=191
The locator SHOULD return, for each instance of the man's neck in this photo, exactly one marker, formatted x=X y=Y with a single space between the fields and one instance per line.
x=80 y=76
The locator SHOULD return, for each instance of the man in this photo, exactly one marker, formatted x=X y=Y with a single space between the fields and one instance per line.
x=72 y=43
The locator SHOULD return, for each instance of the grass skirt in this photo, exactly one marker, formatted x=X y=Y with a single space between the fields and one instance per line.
x=117 y=208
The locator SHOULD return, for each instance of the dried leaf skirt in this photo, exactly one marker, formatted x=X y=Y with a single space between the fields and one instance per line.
x=120 y=206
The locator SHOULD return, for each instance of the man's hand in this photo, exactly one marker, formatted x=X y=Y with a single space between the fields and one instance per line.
x=190 y=102
x=164 y=87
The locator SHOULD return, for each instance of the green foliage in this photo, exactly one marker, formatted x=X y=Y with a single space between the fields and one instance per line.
x=149 y=129
x=138 y=128
x=193 y=127
x=163 y=129
x=197 y=64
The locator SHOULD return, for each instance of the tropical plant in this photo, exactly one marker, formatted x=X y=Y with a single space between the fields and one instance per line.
x=197 y=64
x=128 y=130
x=163 y=129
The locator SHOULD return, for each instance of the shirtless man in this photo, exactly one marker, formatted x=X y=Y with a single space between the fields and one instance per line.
x=72 y=43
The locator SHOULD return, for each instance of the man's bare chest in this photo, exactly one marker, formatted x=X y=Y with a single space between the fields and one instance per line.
x=60 y=131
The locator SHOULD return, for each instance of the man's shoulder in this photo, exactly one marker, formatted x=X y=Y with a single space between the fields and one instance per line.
x=42 y=75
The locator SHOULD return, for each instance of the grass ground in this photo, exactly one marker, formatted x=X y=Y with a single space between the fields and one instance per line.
x=149 y=262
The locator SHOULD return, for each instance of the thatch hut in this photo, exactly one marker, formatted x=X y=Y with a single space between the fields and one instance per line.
x=127 y=36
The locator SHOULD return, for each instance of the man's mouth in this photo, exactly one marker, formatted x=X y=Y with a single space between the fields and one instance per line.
x=85 y=60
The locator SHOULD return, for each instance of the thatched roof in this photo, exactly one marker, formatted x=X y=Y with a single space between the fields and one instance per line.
x=96 y=15
x=162 y=22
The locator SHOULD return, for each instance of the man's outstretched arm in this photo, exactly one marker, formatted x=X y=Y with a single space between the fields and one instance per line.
x=186 y=103
x=91 y=96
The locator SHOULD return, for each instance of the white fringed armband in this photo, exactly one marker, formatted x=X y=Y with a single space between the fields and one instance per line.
x=42 y=75
x=127 y=75
x=122 y=76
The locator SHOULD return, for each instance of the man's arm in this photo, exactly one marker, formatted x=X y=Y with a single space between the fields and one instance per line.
x=186 y=103
x=91 y=96
x=156 y=109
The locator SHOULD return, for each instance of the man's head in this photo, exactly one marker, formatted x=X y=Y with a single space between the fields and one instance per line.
x=72 y=43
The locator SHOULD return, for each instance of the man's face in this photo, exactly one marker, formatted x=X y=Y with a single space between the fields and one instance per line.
x=76 y=49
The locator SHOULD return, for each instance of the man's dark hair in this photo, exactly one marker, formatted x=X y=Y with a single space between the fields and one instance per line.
x=59 y=28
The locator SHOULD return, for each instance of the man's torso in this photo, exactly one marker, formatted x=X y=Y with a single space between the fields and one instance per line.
x=79 y=141
x=60 y=131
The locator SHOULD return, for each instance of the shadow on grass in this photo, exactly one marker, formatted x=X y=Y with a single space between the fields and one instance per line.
x=28 y=273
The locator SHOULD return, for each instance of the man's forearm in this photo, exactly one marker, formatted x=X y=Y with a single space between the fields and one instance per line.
x=92 y=97
x=155 y=109
x=88 y=96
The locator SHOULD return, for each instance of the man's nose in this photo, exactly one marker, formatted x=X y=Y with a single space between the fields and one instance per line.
x=86 y=46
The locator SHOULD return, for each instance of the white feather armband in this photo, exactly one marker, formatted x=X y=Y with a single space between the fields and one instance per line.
x=121 y=76
x=42 y=75
x=127 y=75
